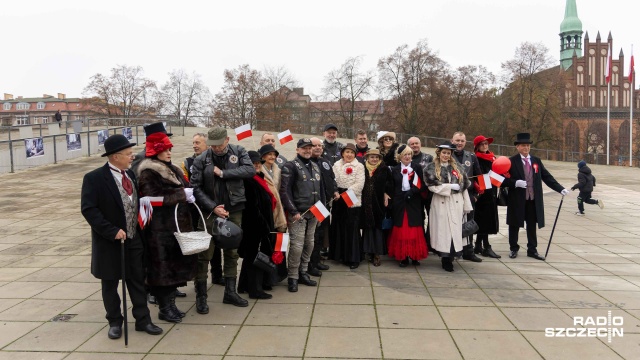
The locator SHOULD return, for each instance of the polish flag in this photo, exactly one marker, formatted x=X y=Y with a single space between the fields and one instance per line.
x=608 y=69
x=416 y=180
x=285 y=137
x=319 y=211
x=631 y=67
x=495 y=178
x=484 y=181
x=349 y=197
x=145 y=210
x=243 y=131
x=282 y=242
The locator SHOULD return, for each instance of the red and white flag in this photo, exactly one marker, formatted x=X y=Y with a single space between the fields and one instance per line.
x=608 y=69
x=349 y=197
x=243 y=131
x=145 y=210
x=495 y=178
x=631 y=67
x=285 y=137
x=319 y=211
x=282 y=242
x=416 y=180
x=484 y=181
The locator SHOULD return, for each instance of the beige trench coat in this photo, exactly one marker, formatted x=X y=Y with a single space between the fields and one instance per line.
x=446 y=217
x=279 y=220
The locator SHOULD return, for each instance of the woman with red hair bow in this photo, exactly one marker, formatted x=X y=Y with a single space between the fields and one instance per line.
x=167 y=268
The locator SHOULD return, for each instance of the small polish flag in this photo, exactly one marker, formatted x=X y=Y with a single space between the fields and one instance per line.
x=349 y=197
x=608 y=69
x=484 y=181
x=285 y=137
x=319 y=211
x=243 y=131
x=416 y=180
x=145 y=211
x=495 y=178
x=282 y=242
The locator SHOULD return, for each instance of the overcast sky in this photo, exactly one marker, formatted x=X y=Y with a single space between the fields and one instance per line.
x=56 y=46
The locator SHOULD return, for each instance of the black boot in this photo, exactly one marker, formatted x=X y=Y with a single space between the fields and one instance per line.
x=166 y=311
x=172 y=301
x=467 y=254
x=488 y=252
x=478 y=248
x=230 y=294
x=306 y=280
x=313 y=271
x=201 y=297
x=447 y=264
x=255 y=288
x=292 y=285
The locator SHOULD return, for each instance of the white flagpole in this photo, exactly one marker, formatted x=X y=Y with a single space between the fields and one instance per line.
x=608 y=99
x=631 y=114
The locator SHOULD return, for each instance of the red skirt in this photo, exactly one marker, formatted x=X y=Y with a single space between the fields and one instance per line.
x=408 y=241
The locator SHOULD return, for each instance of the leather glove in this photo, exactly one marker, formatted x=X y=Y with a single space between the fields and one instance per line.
x=455 y=187
x=564 y=192
x=478 y=189
x=521 y=184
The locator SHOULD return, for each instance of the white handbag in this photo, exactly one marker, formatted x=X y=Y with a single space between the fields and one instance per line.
x=192 y=242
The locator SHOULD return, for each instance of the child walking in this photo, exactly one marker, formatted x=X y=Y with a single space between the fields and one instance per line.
x=586 y=182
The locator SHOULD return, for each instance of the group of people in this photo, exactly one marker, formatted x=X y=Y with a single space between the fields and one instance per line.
x=376 y=202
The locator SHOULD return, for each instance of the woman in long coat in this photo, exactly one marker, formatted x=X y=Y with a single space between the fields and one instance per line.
x=486 y=211
x=344 y=232
x=272 y=175
x=449 y=205
x=373 y=207
x=406 y=189
x=257 y=226
x=167 y=268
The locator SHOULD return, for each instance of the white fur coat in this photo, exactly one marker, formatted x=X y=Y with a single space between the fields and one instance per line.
x=353 y=181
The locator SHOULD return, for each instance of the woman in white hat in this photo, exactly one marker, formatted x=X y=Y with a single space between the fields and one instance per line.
x=387 y=145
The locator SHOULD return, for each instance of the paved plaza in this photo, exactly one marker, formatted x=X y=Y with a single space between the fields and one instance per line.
x=497 y=309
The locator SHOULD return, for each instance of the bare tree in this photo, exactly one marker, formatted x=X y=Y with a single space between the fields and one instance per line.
x=533 y=94
x=413 y=79
x=126 y=92
x=185 y=96
x=236 y=103
x=471 y=90
x=276 y=88
x=347 y=85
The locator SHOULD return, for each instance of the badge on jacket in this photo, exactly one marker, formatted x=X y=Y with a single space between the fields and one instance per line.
x=467 y=163
x=318 y=177
x=325 y=166
x=279 y=160
x=233 y=159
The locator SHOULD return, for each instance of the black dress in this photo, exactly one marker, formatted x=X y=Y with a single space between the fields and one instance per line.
x=373 y=211
x=486 y=211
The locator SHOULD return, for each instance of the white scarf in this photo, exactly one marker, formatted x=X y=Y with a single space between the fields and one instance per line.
x=405 y=177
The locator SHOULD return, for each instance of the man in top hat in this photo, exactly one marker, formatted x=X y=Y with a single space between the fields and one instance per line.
x=149 y=129
x=217 y=177
x=269 y=139
x=332 y=148
x=300 y=188
x=109 y=203
x=525 y=203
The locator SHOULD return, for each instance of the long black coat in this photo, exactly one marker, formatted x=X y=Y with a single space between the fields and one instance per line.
x=517 y=196
x=373 y=209
x=410 y=200
x=101 y=206
x=486 y=211
x=257 y=222
x=166 y=265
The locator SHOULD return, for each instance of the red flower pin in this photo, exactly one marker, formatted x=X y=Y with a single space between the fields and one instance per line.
x=349 y=170
x=404 y=171
x=454 y=173
x=535 y=168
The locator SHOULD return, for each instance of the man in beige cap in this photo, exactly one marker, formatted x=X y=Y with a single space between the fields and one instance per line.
x=217 y=179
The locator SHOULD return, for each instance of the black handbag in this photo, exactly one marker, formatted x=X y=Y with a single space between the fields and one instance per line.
x=503 y=196
x=264 y=263
x=226 y=234
x=469 y=228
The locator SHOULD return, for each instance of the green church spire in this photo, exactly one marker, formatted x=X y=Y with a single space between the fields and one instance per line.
x=570 y=34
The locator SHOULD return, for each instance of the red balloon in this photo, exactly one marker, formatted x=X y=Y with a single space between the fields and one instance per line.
x=501 y=165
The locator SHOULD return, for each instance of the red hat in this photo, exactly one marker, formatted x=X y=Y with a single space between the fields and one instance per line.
x=481 y=138
x=157 y=143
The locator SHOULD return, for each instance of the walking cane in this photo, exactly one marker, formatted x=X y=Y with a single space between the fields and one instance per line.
x=554 y=227
x=124 y=295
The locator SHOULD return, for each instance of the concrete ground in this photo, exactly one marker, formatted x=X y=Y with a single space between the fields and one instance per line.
x=496 y=309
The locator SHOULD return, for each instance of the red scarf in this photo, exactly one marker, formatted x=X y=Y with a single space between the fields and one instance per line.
x=486 y=156
x=264 y=185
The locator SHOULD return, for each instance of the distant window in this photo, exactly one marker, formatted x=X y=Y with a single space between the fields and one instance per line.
x=6 y=106
x=40 y=105
x=22 y=120
x=22 y=106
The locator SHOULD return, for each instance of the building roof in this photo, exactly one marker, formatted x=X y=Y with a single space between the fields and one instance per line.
x=571 y=22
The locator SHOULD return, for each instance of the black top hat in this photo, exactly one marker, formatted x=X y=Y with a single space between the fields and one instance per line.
x=115 y=143
x=446 y=145
x=523 y=138
x=330 y=126
x=155 y=127
x=267 y=148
